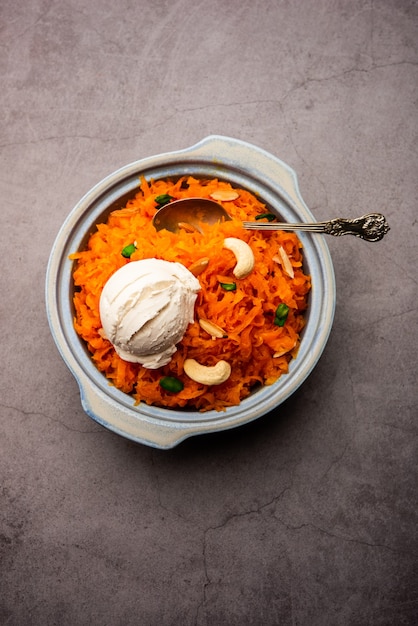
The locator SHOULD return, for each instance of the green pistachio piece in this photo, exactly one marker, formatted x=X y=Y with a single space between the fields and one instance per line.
x=163 y=199
x=172 y=384
x=228 y=286
x=281 y=314
x=270 y=217
x=128 y=250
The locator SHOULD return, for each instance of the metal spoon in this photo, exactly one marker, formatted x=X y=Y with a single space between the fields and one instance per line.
x=193 y=211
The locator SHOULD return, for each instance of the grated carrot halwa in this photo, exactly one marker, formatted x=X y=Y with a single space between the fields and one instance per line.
x=258 y=351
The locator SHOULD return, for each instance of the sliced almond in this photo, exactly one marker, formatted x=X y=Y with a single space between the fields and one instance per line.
x=215 y=331
x=127 y=211
x=285 y=262
x=224 y=195
x=199 y=266
x=187 y=227
x=276 y=355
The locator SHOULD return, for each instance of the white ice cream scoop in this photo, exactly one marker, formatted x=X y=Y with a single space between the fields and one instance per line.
x=145 y=308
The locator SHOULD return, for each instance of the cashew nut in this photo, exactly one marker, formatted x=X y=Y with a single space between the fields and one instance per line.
x=243 y=254
x=207 y=375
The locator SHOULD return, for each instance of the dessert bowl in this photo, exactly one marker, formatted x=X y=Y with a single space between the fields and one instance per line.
x=243 y=165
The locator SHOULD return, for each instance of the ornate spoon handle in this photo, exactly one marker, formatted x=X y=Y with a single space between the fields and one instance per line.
x=370 y=227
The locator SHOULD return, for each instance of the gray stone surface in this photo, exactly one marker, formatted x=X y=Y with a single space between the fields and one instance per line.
x=307 y=517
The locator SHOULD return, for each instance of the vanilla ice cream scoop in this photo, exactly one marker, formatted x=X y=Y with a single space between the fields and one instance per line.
x=145 y=308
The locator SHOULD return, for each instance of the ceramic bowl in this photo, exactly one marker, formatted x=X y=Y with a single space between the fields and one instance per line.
x=243 y=165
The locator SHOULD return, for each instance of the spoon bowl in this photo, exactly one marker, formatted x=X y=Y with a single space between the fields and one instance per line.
x=191 y=211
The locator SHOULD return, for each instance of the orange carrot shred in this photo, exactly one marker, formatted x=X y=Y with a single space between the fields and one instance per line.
x=258 y=351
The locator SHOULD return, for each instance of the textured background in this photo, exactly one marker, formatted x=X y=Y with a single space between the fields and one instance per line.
x=307 y=517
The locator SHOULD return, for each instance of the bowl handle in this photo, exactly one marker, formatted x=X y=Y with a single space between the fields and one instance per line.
x=151 y=432
x=274 y=172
